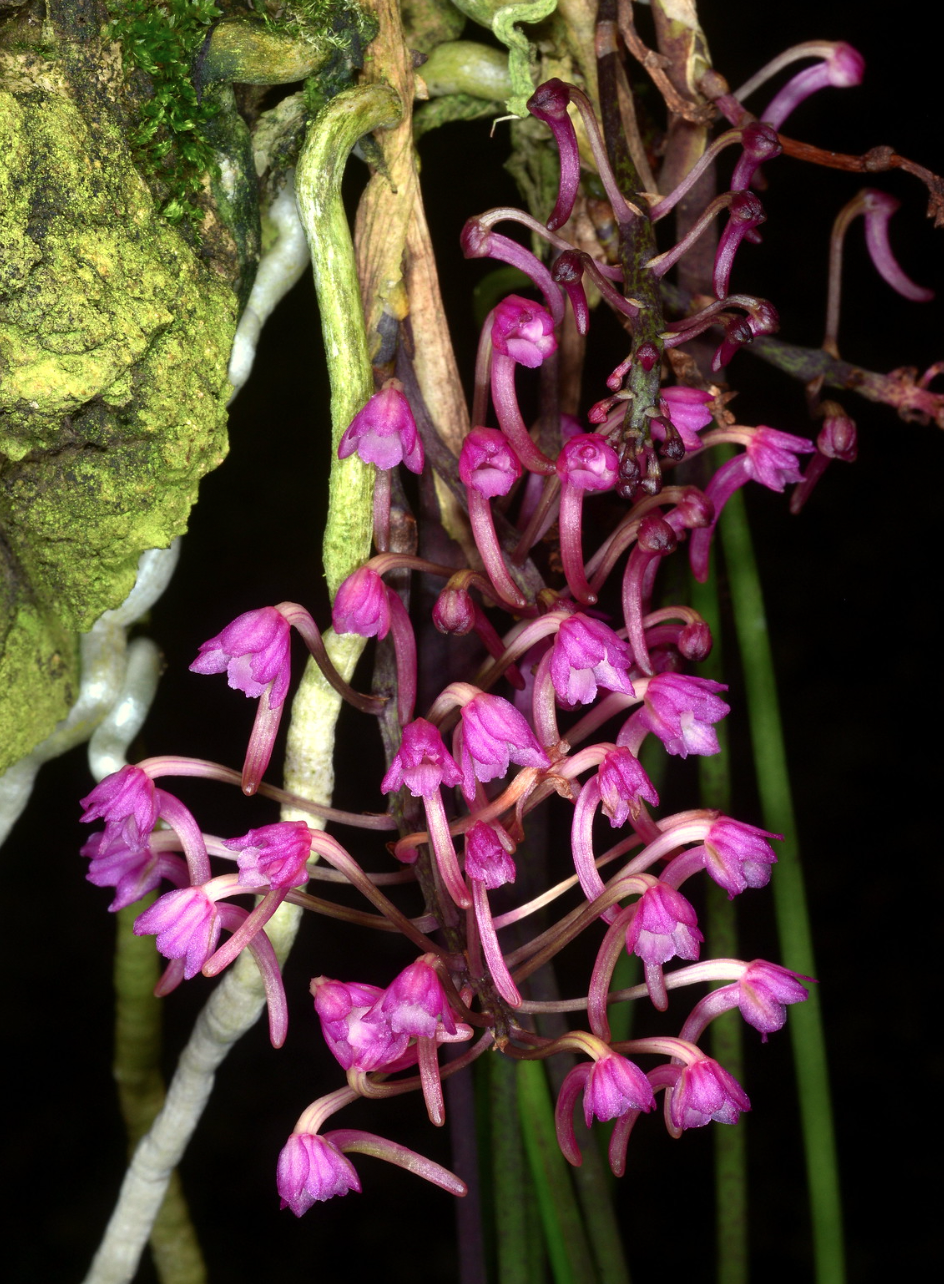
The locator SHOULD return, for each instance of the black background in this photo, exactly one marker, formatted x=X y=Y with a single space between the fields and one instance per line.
x=852 y=588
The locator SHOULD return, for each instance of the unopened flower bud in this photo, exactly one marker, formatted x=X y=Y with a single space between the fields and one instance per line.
x=695 y=641
x=838 y=437
x=454 y=611
x=656 y=535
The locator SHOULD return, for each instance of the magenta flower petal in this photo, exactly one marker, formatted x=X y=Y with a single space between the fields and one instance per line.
x=361 y=605
x=523 y=331
x=614 y=1087
x=681 y=711
x=738 y=855
x=125 y=795
x=588 y=462
x=273 y=855
x=486 y=859
x=311 y=1170
x=763 y=992
x=253 y=651
x=487 y=462
x=187 y=926
x=414 y=1003
x=705 y=1092
x=495 y=734
x=586 y=655
x=422 y=763
x=384 y=432
x=664 y=926
x=623 y=786
x=687 y=412
x=355 y=1042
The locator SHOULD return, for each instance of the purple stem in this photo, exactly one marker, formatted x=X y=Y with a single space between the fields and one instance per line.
x=486 y=541
x=353 y=1141
x=444 y=850
x=512 y=425
x=261 y=743
x=490 y=948
x=404 y=644
x=571 y=521
x=260 y=947
x=188 y=831
x=241 y=938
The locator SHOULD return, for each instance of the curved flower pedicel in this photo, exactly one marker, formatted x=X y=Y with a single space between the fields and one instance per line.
x=488 y=467
x=585 y=463
x=423 y=764
x=522 y=333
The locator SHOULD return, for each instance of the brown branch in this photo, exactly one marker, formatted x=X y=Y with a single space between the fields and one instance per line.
x=875 y=161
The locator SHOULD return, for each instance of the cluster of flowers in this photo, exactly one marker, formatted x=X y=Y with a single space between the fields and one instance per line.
x=559 y=655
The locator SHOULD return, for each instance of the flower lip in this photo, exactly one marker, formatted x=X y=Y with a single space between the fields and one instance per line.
x=523 y=330
x=487 y=462
x=273 y=855
x=588 y=462
x=254 y=652
x=383 y=432
x=422 y=763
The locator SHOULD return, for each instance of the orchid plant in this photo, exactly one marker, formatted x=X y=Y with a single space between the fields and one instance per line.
x=534 y=577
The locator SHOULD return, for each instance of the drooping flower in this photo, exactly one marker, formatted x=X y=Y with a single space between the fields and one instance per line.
x=311 y=1170
x=125 y=800
x=523 y=331
x=422 y=763
x=485 y=857
x=680 y=710
x=254 y=652
x=354 y=1042
x=763 y=992
x=738 y=855
x=487 y=463
x=664 y=926
x=273 y=855
x=705 y=1092
x=187 y=926
x=384 y=431
x=688 y=413
x=615 y=1086
x=623 y=786
x=414 y=1002
x=361 y=605
x=586 y=655
x=131 y=869
x=495 y=734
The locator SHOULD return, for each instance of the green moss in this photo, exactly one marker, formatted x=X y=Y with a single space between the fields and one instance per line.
x=159 y=38
x=114 y=342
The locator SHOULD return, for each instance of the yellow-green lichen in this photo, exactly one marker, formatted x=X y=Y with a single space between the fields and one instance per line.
x=114 y=342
